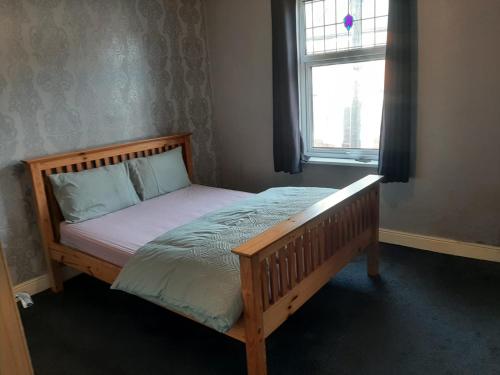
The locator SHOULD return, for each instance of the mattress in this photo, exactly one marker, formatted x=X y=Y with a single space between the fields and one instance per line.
x=117 y=236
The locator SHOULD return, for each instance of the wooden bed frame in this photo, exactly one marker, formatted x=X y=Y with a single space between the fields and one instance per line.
x=280 y=269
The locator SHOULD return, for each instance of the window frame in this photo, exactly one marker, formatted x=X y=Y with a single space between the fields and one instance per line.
x=305 y=64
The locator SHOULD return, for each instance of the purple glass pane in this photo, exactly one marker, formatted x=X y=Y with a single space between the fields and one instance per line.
x=348 y=22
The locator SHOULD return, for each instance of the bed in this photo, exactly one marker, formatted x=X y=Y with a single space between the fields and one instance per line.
x=280 y=268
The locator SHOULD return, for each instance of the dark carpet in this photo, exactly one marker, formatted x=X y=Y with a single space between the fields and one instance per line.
x=428 y=314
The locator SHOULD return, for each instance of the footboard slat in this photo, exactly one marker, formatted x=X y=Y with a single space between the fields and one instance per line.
x=299 y=251
x=307 y=252
x=292 y=260
x=264 y=270
x=328 y=238
x=314 y=248
x=322 y=240
x=274 y=282
x=283 y=271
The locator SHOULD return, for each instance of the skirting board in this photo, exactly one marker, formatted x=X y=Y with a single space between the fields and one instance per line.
x=416 y=241
x=33 y=286
x=441 y=245
x=42 y=282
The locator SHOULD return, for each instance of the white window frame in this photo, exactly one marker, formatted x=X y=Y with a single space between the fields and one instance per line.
x=306 y=63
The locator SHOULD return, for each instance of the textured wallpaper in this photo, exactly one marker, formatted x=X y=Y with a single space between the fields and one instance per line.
x=80 y=73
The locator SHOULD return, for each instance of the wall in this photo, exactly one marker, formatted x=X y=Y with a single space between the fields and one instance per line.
x=457 y=169
x=80 y=73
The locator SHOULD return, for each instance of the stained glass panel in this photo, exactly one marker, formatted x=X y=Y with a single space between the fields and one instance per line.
x=339 y=25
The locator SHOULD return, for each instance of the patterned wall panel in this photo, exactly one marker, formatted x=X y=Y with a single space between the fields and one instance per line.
x=81 y=73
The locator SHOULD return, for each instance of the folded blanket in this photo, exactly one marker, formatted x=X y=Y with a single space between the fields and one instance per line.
x=191 y=269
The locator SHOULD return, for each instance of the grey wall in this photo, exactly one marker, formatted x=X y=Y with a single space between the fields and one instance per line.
x=455 y=193
x=79 y=73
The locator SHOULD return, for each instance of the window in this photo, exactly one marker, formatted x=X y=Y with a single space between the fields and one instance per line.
x=342 y=76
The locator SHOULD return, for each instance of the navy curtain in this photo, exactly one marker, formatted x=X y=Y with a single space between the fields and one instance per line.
x=286 y=132
x=399 y=112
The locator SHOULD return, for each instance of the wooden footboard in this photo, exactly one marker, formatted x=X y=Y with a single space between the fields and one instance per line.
x=286 y=265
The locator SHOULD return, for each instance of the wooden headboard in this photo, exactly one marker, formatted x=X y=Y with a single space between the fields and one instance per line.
x=48 y=212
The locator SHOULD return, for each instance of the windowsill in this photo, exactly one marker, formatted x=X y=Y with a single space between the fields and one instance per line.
x=343 y=162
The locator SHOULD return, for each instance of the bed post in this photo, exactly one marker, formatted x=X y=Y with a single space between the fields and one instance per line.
x=373 y=251
x=254 y=315
x=45 y=225
x=55 y=276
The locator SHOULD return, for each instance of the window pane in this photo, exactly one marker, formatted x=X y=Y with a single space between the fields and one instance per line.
x=382 y=7
x=342 y=8
x=355 y=9
x=309 y=42
x=309 y=15
x=330 y=38
x=329 y=12
x=368 y=33
x=381 y=30
x=368 y=8
x=355 y=35
x=342 y=38
x=319 y=41
x=318 y=17
x=347 y=104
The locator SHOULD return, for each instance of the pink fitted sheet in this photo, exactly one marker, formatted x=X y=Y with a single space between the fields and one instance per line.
x=117 y=236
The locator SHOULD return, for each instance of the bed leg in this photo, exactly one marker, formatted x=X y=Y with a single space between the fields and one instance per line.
x=373 y=260
x=56 y=278
x=256 y=356
x=254 y=315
